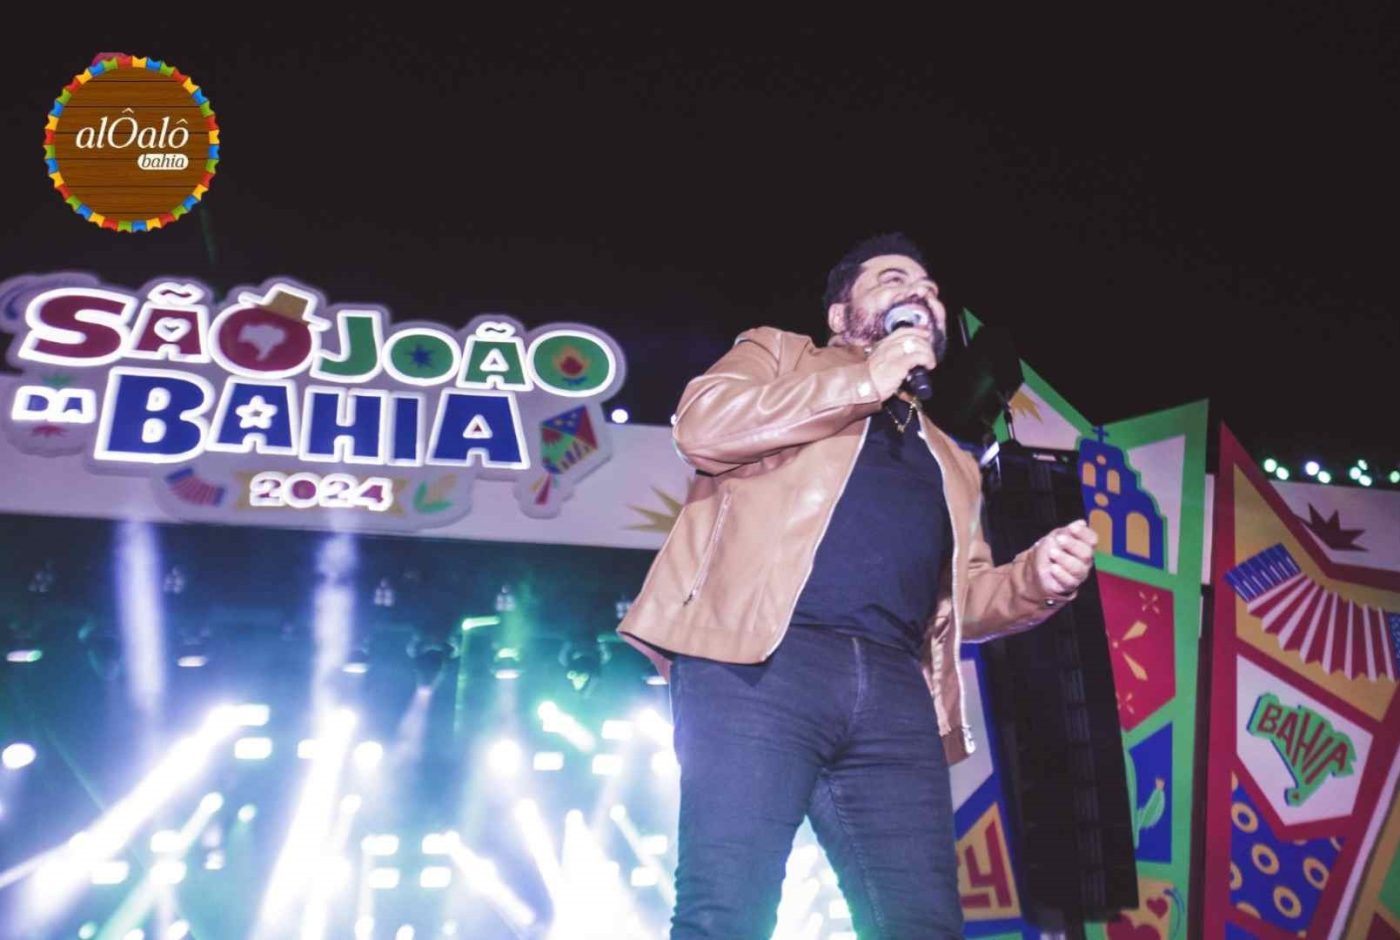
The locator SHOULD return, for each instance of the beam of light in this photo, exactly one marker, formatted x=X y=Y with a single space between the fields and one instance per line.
x=555 y=720
x=311 y=823
x=335 y=872
x=649 y=722
x=644 y=847
x=334 y=606
x=594 y=902
x=539 y=844
x=138 y=579
x=169 y=869
x=481 y=878
x=800 y=889
x=66 y=869
x=412 y=730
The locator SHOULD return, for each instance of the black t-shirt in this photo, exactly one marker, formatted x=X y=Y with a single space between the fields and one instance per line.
x=876 y=570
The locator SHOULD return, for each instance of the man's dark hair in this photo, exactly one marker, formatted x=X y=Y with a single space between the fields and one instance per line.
x=841 y=277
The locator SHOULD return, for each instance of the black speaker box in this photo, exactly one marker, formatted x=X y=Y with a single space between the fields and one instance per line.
x=1052 y=702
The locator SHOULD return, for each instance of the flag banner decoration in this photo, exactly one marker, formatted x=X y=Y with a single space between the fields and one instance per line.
x=1301 y=829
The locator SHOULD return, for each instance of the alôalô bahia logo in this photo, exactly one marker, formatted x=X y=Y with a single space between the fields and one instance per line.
x=131 y=143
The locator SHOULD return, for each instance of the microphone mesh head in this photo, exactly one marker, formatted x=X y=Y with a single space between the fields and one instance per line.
x=905 y=315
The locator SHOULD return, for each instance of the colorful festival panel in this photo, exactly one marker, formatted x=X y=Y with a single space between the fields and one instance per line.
x=1300 y=819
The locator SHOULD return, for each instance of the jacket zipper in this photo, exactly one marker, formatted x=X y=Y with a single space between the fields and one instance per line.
x=825 y=525
x=709 y=549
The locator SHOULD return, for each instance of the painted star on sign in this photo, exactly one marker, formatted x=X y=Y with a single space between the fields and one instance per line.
x=1330 y=531
x=258 y=413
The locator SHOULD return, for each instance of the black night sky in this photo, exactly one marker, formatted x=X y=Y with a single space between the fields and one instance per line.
x=1160 y=207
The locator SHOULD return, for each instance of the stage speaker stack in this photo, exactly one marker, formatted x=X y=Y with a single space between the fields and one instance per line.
x=1052 y=703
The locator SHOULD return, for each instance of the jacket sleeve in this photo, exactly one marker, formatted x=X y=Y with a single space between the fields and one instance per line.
x=750 y=404
x=1004 y=599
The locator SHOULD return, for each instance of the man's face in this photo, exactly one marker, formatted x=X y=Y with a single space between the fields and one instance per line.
x=885 y=282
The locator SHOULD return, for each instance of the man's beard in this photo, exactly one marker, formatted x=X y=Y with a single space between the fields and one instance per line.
x=873 y=331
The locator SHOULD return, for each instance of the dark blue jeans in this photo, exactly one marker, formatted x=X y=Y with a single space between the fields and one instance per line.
x=833 y=727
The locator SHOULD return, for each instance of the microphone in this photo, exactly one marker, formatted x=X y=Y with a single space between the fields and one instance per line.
x=911 y=315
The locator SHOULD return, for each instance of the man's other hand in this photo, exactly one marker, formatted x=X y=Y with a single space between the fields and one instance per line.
x=1064 y=557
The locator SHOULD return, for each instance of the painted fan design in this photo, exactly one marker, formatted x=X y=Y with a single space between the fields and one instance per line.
x=1317 y=623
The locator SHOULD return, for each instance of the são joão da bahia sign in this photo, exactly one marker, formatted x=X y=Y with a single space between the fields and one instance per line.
x=275 y=407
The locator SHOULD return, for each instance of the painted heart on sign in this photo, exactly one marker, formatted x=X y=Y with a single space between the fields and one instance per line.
x=172 y=329
x=1159 y=906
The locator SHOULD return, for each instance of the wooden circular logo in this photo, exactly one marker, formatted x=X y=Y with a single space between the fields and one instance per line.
x=131 y=144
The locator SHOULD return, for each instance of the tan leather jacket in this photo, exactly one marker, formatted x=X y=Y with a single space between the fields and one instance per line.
x=774 y=428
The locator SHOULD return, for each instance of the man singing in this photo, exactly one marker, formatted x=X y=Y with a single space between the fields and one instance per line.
x=808 y=607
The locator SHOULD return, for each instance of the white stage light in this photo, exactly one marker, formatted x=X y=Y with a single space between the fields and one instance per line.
x=17 y=755
x=548 y=760
x=252 y=748
x=404 y=933
x=615 y=730
x=607 y=765
x=650 y=723
x=664 y=764
x=435 y=876
x=110 y=872
x=178 y=930
x=439 y=843
x=655 y=845
x=168 y=872
x=385 y=844
x=247 y=813
x=384 y=879
x=368 y=754
x=166 y=841
x=253 y=715
x=504 y=757
x=620 y=416
x=212 y=803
